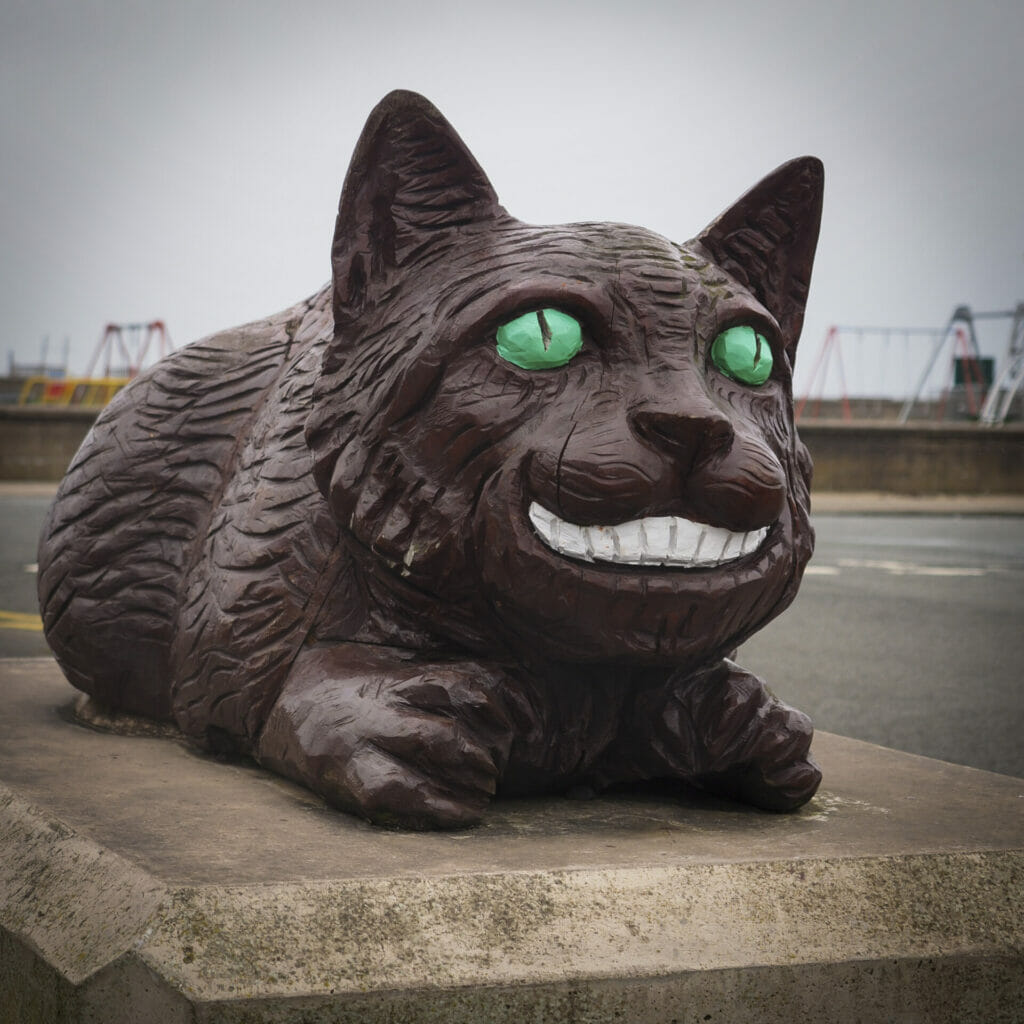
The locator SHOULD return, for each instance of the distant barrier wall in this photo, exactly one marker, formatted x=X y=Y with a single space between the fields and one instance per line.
x=38 y=444
x=916 y=459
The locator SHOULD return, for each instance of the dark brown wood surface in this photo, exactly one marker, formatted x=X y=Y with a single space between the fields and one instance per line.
x=356 y=543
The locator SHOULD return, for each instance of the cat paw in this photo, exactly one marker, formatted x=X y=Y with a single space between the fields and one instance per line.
x=781 y=789
x=772 y=787
x=769 y=743
x=721 y=729
x=392 y=789
x=399 y=743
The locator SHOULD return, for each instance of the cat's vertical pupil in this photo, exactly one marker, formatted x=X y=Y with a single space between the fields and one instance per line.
x=545 y=331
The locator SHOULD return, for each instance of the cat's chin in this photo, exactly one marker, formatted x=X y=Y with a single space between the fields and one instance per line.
x=668 y=542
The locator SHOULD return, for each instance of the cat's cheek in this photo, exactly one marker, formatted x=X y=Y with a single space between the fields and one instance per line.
x=751 y=405
x=743 y=489
x=763 y=413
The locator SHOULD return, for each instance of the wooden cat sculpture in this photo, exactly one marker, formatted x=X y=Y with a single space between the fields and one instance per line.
x=486 y=515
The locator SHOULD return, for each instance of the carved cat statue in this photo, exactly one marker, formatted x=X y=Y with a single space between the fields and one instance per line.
x=488 y=514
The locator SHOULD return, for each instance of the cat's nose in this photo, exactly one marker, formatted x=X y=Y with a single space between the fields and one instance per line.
x=691 y=436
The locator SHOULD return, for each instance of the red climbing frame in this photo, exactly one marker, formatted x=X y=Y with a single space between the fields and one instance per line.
x=130 y=343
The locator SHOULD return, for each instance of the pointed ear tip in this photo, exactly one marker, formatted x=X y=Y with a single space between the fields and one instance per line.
x=404 y=100
x=810 y=166
x=814 y=164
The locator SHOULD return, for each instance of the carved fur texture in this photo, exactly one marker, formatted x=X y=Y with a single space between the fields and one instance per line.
x=314 y=539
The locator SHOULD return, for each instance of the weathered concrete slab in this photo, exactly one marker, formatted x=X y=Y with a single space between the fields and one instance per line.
x=140 y=881
x=916 y=458
x=38 y=442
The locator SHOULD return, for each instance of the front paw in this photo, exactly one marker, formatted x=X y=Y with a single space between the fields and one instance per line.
x=781 y=776
x=404 y=744
x=784 y=788
x=758 y=750
x=722 y=730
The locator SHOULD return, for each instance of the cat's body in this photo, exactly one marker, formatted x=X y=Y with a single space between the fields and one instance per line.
x=408 y=567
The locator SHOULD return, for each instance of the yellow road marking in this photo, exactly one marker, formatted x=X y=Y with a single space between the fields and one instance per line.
x=21 y=620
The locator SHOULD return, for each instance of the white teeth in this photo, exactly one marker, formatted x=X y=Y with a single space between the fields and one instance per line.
x=569 y=538
x=625 y=544
x=653 y=540
x=600 y=543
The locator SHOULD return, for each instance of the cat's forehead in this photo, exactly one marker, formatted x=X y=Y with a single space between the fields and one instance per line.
x=621 y=247
x=585 y=251
x=594 y=257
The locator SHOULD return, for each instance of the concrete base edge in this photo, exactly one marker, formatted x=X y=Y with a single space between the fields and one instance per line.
x=140 y=881
x=911 y=990
x=87 y=936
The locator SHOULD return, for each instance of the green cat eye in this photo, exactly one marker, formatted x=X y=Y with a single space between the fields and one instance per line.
x=541 y=340
x=743 y=354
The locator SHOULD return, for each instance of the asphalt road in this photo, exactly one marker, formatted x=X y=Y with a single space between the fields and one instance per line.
x=908 y=630
x=21 y=518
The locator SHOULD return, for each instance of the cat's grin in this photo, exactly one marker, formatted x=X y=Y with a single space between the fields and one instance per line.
x=666 y=541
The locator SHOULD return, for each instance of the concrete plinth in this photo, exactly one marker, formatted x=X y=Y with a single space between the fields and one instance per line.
x=140 y=881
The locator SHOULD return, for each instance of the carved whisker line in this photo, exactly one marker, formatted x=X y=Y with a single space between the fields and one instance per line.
x=488 y=443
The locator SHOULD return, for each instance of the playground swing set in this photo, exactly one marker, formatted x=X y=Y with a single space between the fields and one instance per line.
x=987 y=401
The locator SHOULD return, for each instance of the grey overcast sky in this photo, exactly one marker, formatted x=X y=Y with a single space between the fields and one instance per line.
x=183 y=160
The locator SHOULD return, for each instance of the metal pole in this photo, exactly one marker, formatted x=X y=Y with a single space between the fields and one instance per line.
x=1011 y=377
x=960 y=313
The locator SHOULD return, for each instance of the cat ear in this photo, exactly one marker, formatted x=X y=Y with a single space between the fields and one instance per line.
x=411 y=181
x=767 y=239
